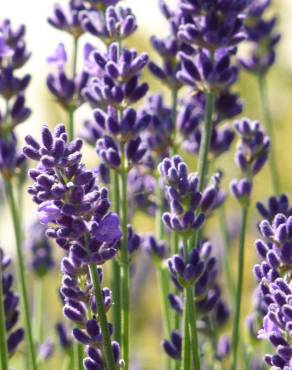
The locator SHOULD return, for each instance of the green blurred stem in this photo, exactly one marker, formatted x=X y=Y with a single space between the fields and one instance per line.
x=39 y=309
x=192 y=315
x=116 y=271
x=174 y=99
x=68 y=362
x=21 y=272
x=222 y=220
x=269 y=128
x=162 y=274
x=206 y=137
x=107 y=346
x=239 y=289
x=164 y=289
x=3 y=343
x=78 y=356
x=125 y=263
x=186 y=352
x=71 y=110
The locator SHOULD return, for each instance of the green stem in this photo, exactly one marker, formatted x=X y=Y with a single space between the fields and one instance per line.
x=116 y=271
x=269 y=128
x=78 y=356
x=164 y=289
x=21 y=273
x=174 y=97
x=3 y=343
x=226 y=250
x=71 y=110
x=205 y=142
x=186 y=353
x=192 y=316
x=240 y=278
x=125 y=277
x=68 y=362
x=108 y=352
x=39 y=309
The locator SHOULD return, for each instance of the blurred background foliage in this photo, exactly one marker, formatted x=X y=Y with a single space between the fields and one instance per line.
x=42 y=40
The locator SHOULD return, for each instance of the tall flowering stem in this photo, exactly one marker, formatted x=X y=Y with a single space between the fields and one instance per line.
x=125 y=268
x=21 y=272
x=116 y=272
x=205 y=143
x=251 y=155
x=263 y=37
x=3 y=344
x=108 y=352
x=70 y=199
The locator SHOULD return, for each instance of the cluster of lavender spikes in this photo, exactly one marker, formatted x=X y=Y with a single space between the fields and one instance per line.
x=141 y=140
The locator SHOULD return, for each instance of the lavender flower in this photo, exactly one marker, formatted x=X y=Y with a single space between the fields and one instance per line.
x=188 y=206
x=273 y=275
x=64 y=340
x=262 y=36
x=80 y=308
x=11 y=303
x=115 y=24
x=40 y=249
x=251 y=155
x=13 y=56
x=69 y=198
x=117 y=87
x=68 y=20
x=274 y=206
x=66 y=90
x=168 y=49
x=213 y=24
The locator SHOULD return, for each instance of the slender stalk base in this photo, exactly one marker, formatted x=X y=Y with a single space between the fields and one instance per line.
x=3 y=343
x=21 y=273
x=269 y=128
x=205 y=141
x=240 y=279
x=191 y=317
x=78 y=356
x=108 y=352
x=125 y=268
x=116 y=271
x=39 y=309
x=70 y=128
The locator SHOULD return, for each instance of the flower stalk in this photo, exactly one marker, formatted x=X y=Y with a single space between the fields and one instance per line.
x=3 y=343
x=239 y=290
x=108 y=352
x=21 y=272
x=125 y=268
x=71 y=109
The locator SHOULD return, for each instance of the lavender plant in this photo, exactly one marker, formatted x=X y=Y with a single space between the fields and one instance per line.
x=144 y=149
x=13 y=56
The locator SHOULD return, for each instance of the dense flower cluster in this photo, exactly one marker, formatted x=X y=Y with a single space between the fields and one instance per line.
x=274 y=277
x=11 y=306
x=69 y=198
x=263 y=37
x=80 y=307
x=251 y=155
x=13 y=56
x=188 y=205
x=41 y=254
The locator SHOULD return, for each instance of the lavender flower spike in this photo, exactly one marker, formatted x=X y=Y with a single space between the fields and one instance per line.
x=11 y=306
